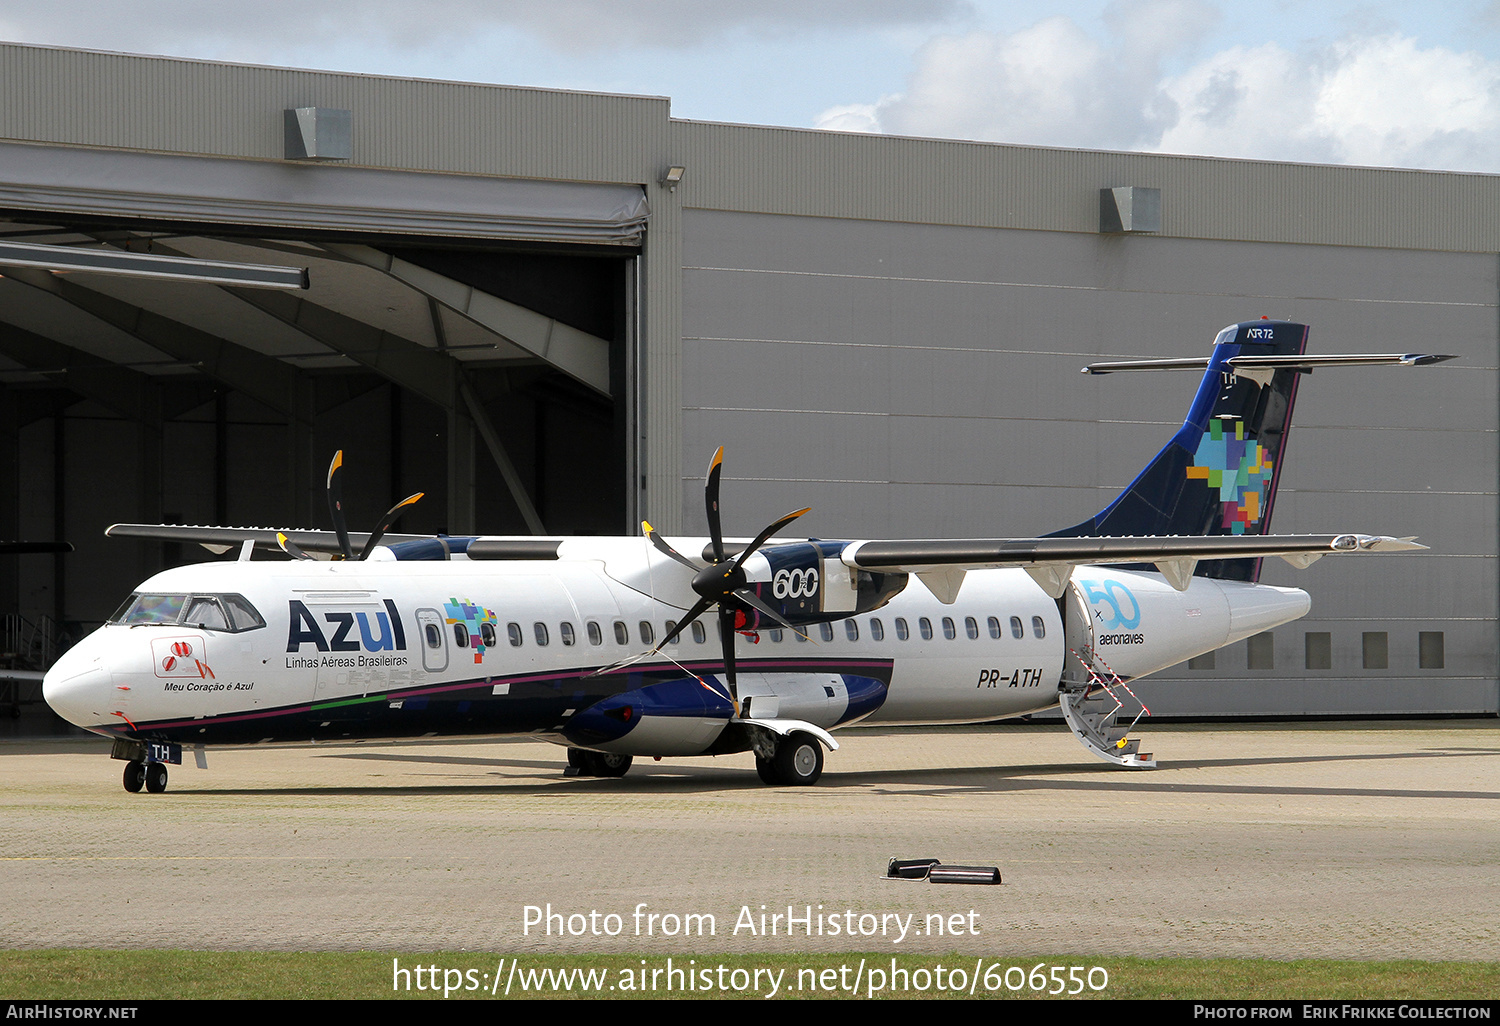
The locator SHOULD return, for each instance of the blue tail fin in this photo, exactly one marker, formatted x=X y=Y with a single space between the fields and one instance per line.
x=1218 y=474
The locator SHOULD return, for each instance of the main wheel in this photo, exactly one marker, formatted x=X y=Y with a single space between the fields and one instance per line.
x=605 y=764
x=135 y=776
x=766 y=768
x=156 y=777
x=798 y=759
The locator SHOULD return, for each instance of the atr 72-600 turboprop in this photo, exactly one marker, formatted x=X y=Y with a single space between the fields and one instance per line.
x=623 y=647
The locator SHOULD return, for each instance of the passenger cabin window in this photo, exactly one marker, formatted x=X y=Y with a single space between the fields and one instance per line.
x=1016 y=630
x=700 y=635
x=433 y=635
x=971 y=628
x=950 y=630
x=925 y=626
x=540 y=630
x=826 y=630
x=596 y=636
x=775 y=633
x=487 y=634
x=1038 y=627
x=902 y=631
x=622 y=633
x=648 y=634
x=460 y=635
x=851 y=630
x=670 y=627
x=565 y=631
x=877 y=629
x=513 y=631
x=994 y=626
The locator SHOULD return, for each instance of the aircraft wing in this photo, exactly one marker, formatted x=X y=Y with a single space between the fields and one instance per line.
x=941 y=564
x=222 y=539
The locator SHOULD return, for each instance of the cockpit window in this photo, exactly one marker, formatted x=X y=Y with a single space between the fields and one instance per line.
x=204 y=611
x=246 y=617
x=231 y=613
x=151 y=609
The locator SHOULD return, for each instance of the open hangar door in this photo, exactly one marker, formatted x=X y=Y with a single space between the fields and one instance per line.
x=490 y=373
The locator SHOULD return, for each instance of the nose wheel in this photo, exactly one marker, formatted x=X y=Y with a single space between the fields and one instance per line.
x=150 y=775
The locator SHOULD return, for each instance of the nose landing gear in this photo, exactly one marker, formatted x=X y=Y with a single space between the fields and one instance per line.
x=150 y=775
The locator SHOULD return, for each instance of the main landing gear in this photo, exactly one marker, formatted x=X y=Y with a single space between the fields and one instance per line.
x=584 y=763
x=150 y=775
x=798 y=759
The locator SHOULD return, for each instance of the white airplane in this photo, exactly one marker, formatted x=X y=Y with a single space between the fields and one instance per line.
x=624 y=647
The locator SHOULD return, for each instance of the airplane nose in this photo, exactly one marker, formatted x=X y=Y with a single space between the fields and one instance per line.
x=79 y=687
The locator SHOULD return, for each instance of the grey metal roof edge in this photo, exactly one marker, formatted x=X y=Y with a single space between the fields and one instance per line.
x=1080 y=151
x=368 y=76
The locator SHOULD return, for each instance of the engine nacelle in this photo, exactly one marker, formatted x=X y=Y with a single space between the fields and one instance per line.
x=675 y=717
x=806 y=582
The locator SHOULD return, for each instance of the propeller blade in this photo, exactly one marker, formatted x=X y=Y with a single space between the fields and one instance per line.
x=726 y=635
x=699 y=608
x=750 y=599
x=667 y=550
x=711 y=502
x=290 y=547
x=761 y=538
x=336 y=505
x=391 y=515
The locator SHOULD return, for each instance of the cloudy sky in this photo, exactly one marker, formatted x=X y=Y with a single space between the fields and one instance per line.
x=1410 y=84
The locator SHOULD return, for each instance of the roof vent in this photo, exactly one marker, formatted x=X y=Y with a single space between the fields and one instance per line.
x=1129 y=209
x=319 y=133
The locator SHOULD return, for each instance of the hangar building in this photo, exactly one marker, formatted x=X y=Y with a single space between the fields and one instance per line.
x=546 y=308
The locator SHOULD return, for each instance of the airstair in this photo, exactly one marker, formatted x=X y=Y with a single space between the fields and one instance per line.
x=1092 y=703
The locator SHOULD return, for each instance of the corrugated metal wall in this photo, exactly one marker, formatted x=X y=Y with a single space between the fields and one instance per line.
x=925 y=181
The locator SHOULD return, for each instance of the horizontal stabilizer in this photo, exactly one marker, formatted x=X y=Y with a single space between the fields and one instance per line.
x=1303 y=363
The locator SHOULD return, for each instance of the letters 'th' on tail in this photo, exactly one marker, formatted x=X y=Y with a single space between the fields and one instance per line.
x=1218 y=474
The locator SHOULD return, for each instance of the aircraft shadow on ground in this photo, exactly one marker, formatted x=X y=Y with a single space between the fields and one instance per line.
x=545 y=777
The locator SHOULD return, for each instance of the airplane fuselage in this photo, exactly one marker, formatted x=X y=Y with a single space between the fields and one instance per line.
x=385 y=649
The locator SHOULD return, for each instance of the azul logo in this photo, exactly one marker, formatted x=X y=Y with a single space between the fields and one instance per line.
x=797 y=583
x=1238 y=467
x=1115 y=597
x=478 y=622
x=384 y=635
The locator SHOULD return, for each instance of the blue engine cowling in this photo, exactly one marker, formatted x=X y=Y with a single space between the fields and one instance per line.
x=806 y=582
x=675 y=717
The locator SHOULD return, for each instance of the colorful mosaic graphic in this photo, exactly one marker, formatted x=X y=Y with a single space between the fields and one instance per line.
x=1238 y=467
x=473 y=617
